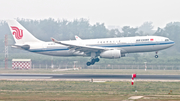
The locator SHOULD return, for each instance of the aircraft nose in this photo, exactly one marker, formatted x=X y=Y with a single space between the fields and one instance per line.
x=172 y=43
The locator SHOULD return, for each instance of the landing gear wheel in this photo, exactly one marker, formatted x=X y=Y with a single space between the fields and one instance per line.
x=88 y=63
x=97 y=60
x=156 y=56
x=93 y=61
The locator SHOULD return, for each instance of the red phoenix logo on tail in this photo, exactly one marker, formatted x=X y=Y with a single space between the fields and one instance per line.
x=17 y=32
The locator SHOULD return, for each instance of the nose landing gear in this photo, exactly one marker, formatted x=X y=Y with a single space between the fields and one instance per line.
x=156 y=56
x=92 y=61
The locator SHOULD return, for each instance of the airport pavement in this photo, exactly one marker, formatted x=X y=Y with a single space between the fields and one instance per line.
x=87 y=76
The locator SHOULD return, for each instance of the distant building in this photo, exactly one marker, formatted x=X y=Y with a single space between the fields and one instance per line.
x=21 y=63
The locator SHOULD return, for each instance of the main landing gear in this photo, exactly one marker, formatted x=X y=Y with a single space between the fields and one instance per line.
x=156 y=56
x=92 y=61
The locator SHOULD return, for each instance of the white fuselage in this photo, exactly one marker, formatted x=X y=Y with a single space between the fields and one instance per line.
x=125 y=44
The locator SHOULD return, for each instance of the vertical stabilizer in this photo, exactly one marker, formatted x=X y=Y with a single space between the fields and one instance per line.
x=20 y=34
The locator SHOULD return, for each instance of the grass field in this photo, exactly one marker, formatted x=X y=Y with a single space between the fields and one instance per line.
x=83 y=90
x=96 y=71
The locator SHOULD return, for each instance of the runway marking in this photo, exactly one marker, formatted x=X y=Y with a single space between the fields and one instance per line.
x=135 y=97
x=7 y=77
x=99 y=81
x=92 y=76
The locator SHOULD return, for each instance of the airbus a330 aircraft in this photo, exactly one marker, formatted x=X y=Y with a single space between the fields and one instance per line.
x=111 y=48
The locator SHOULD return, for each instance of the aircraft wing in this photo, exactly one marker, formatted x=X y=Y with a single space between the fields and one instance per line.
x=82 y=48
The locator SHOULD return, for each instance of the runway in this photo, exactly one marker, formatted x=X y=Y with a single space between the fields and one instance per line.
x=87 y=76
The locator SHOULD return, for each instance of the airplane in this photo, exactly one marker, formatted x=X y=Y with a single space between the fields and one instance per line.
x=110 y=48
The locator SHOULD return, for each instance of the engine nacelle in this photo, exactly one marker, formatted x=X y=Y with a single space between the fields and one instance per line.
x=111 y=54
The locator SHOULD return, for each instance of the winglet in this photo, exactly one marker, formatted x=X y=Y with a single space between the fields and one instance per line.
x=77 y=38
x=54 y=40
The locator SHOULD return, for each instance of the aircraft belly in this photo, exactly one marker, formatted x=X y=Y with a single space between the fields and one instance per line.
x=57 y=53
x=160 y=47
x=133 y=49
x=151 y=48
x=60 y=53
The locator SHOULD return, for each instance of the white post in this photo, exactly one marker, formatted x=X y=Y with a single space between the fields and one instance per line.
x=145 y=65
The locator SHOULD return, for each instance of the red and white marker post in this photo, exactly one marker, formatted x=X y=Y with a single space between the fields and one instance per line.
x=133 y=76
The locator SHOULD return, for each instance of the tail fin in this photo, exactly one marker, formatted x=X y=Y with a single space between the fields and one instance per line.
x=20 y=34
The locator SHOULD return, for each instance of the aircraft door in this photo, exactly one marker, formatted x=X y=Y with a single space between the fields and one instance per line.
x=133 y=42
x=44 y=46
x=156 y=47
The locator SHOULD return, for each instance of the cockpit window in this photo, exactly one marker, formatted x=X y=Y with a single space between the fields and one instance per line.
x=166 y=39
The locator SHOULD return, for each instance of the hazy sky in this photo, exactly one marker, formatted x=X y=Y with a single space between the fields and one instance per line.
x=111 y=12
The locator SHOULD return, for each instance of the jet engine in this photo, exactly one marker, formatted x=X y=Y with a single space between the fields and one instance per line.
x=111 y=54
